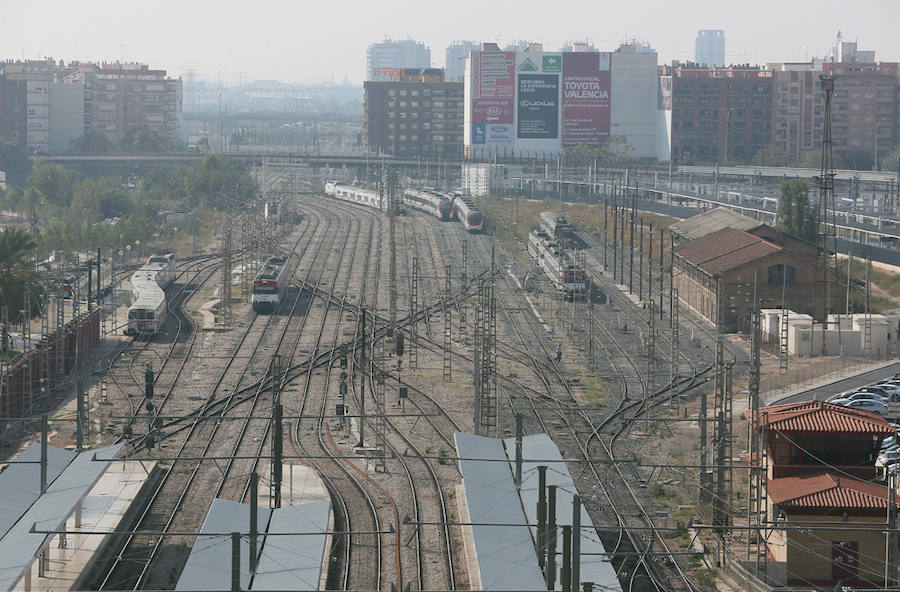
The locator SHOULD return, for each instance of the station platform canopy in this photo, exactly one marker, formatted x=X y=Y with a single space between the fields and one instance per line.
x=286 y=560
x=27 y=515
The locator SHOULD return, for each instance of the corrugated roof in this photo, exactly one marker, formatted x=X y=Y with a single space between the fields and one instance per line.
x=596 y=567
x=209 y=565
x=827 y=490
x=20 y=546
x=20 y=484
x=726 y=249
x=819 y=416
x=712 y=221
x=505 y=553
x=294 y=562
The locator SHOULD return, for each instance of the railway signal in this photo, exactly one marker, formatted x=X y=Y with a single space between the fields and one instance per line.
x=399 y=344
x=148 y=381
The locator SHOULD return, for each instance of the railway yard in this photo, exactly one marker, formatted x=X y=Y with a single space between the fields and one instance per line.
x=319 y=383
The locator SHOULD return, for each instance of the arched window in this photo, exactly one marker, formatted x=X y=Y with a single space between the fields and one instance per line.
x=781 y=273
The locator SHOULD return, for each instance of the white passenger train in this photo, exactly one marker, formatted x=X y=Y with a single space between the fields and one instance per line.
x=557 y=265
x=468 y=213
x=271 y=284
x=556 y=226
x=148 y=308
x=359 y=196
x=430 y=201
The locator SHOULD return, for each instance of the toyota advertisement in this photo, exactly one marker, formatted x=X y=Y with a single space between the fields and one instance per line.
x=493 y=96
x=538 y=106
x=585 y=99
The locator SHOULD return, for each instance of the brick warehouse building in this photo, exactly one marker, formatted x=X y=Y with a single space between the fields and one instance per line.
x=413 y=112
x=720 y=114
x=741 y=258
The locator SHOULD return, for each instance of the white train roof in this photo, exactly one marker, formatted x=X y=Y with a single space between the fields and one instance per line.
x=145 y=285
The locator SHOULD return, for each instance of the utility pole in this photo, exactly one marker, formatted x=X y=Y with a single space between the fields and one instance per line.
x=226 y=270
x=387 y=191
x=826 y=260
x=362 y=367
x=448 y=343
x=413 y=309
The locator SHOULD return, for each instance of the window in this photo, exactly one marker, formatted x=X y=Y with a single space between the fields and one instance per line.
x=781 y=273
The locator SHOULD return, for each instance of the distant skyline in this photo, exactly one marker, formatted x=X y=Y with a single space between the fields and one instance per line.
x=300 y=41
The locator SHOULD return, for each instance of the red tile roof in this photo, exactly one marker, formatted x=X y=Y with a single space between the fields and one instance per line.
x=827 y=490
x=819 y=416
x=726 y=249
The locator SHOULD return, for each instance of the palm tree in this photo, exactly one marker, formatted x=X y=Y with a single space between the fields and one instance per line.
x=17 y=273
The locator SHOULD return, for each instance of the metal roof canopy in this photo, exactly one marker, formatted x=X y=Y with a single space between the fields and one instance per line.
x=294 y=562
x=20 y=484
x=285 y=562
x=209 y=564
x=19 y=547
x=595 y=567
x=506 y=555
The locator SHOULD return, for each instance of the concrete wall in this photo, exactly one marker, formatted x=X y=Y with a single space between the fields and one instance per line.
x=809 y=551
x=66 y=115
x=634 y=96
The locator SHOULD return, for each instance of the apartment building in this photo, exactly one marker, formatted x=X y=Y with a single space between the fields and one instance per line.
x=414 y=113
x=720 y=114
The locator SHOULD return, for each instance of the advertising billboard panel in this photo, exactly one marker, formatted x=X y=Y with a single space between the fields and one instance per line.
x=538 y=106
x=585 y=99
x=493 y=87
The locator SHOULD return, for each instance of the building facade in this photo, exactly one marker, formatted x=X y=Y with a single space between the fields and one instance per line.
x=824 y=511
x=537 y=103
x=414 y=114
x=48 y=106
x=735 y=265
x=720 y=114
x=404 y=53
x=709 y=48
x=455 y=59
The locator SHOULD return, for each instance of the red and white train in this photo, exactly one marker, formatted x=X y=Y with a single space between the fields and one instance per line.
x=270 y=284
x=557 y=265
x=468 y=213
x=430 y=201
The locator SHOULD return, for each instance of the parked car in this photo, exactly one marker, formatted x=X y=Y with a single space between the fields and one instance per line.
x=868 y=405
x=859 y=397
x=887 y=459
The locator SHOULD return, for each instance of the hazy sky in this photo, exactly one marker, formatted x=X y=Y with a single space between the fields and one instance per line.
x=301 y=40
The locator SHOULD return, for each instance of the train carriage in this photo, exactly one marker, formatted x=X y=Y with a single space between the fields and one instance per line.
x=468 y=213
x=439 y=205
x=359 y=196
x=556 y=226
x=270 y=284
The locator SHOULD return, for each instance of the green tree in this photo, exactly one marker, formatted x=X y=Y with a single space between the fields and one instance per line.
x=92 y=142
x=890 y=161
x=771 y=155
x=141 y=140
x=105 y=197
x=795 y=213
x=813 y=160
x=53 y=182
x=17 y=274
x=14 y=162
x=220 y=181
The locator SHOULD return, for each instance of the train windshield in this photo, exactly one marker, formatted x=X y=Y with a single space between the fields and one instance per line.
x=270 y=288
x=474 y=218
x=445 y=206
x=140 y=314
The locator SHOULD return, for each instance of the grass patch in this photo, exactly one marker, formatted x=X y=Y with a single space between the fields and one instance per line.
x=594 y=390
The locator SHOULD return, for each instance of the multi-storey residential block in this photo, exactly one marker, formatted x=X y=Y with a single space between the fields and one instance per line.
x=405 y=53
x=720 y=114
x=414 y=113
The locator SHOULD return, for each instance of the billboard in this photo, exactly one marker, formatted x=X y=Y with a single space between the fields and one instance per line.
x=538 y=107
x=493 y=87
x=585 y=99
